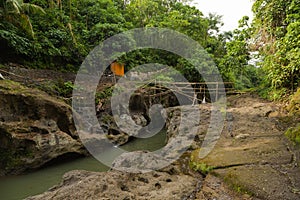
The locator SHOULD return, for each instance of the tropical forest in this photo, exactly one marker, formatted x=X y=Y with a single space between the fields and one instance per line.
x=235 y=137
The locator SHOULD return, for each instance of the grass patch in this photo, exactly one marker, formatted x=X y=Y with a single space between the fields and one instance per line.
x=107 y=119
x=197 y=165
x=293 y=133
x=58 y=88
x=104 y=94
x=203 y=168
x=231 y=180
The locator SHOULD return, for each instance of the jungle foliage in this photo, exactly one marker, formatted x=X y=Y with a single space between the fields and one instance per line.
x=58 y=34
x=276 y=36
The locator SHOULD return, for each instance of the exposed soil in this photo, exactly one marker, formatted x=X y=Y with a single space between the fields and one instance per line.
x=21 y=74
x=34 y=77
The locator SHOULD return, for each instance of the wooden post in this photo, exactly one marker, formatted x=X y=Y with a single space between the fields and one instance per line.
x=114 y=78
x=217 y=91
x=195 y=98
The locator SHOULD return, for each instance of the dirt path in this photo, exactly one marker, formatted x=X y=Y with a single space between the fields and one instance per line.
x=253 y=156
x=37 y=77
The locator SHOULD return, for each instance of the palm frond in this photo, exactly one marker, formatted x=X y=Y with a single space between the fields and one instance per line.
x=13 y=6
x=71 y=32
x=32 y=9
x=26 y=24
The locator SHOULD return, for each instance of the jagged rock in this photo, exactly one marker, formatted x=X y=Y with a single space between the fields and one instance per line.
x=262 y=166
x=139 y=119
x=34 y=128
x=120 y=185
x=140 y=162
x=117 y=136
x=136 y=119
x=195 y=125
x=259 y=160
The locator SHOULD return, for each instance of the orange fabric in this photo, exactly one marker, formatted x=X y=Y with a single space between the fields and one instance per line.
x=117 y=69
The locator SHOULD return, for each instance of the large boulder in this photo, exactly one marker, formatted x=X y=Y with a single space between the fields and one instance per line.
x=35 y=128
x=195 y=125
x=119 y=185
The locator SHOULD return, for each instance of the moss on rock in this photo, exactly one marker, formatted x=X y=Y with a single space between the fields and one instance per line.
x=294 y=106
x=293 y=133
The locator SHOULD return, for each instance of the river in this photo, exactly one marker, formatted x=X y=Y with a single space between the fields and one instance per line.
x=22 y=186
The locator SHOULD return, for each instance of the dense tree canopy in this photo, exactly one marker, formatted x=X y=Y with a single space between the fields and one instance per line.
x=63 y=33
x=59 y=34
x=276 y=34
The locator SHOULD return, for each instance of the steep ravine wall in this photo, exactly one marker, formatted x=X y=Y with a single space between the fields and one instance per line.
x=34 y=128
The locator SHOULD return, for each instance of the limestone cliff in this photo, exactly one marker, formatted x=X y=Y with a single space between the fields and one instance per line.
x=35 y=128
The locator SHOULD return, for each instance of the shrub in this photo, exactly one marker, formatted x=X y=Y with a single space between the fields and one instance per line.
x=293 y=134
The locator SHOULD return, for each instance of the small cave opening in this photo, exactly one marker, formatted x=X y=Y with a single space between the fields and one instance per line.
x=137 y=104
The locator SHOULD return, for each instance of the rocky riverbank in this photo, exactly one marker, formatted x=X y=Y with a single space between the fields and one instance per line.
x=253 y=155
x=35 y=129
x=252 y=160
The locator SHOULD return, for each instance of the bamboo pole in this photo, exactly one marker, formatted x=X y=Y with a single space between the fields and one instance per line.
x=217 y=91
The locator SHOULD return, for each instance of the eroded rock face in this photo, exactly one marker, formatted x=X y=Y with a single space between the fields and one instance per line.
x=140 y=161
x=119 y=185
x=34 y=128
x=260 y=163
x=130 y=124
x=196 y=124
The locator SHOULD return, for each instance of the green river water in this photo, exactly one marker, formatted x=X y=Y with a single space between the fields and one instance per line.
x=22 y=186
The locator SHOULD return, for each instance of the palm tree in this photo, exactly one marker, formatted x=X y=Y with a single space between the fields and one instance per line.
x=16 y=12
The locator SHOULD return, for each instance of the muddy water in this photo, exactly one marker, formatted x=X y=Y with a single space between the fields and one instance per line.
x=22 y=186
